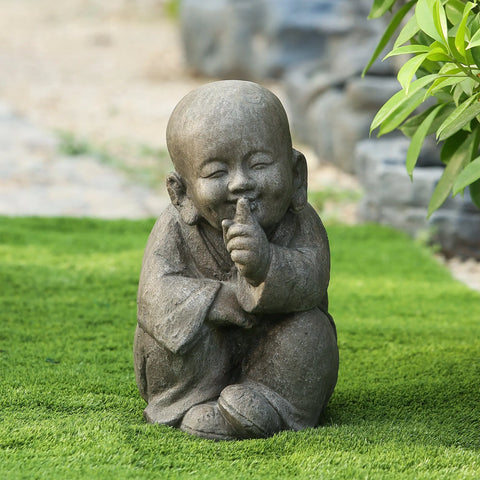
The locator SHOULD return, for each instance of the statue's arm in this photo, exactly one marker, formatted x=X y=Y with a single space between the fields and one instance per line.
x=174 y=302
x=298 y=274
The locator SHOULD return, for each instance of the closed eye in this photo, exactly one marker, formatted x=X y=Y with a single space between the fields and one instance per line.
x=215 y=174
x=213 y=169
x=259 y=161
x=259 y=165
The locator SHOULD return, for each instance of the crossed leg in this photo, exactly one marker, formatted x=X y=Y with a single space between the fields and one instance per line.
x=287 y=380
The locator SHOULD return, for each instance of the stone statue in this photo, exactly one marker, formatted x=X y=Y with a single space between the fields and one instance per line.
x=234 y=339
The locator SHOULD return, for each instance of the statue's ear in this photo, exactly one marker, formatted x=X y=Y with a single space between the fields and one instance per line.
x=299 y=198
x=178 y=196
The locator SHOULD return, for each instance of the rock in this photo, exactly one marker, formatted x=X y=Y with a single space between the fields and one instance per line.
x=220 y=37
x=259 y=39
x=391 y=198
x=370 y=92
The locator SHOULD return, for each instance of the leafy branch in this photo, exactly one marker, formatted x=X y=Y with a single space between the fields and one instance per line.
x=442 y=41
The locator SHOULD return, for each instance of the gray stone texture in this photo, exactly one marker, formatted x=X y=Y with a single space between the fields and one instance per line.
x=391 y=198
x=335 y=112
x=266 y=38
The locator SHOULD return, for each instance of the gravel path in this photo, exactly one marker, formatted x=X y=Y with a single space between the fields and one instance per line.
x=107 y=71
x=35 y=179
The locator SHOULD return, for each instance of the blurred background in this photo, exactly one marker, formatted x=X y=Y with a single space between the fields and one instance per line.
x=87 y=87
x=96 y=81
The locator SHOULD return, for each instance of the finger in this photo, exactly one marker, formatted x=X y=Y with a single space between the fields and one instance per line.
x=243 y=214
x=240 y=230
x=239 y=243
x=226 y=224
x=241 y=257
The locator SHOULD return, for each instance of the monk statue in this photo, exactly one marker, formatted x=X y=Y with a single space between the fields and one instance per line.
x=234 y=339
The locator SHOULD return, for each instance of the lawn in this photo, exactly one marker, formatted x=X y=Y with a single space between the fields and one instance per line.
x=406 y=406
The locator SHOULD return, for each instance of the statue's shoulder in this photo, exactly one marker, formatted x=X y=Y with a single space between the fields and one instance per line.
x=167 y=230
x=167 y=222
x=310 y=226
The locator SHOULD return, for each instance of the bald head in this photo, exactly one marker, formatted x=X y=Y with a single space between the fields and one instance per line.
x=230 y=110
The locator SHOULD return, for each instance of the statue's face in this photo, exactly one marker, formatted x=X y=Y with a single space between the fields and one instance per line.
x=243 y=159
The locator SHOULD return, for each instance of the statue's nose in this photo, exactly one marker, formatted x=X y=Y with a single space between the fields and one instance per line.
x=240 y=181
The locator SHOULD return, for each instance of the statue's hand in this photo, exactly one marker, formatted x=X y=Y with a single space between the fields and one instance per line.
x=226 y=310
x=247 y=243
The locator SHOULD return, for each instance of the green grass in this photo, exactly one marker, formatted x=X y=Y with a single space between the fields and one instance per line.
x=407 y=403
x=318 y=198
x=172 y=9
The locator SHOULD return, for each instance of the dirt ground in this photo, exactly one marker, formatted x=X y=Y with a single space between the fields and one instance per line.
x=108 y=70
x=111 y=71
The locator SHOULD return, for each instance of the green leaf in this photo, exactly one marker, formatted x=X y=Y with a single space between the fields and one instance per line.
x=450 y=69
x=399 y=99
x=408 y=70
x=450 y=145
x=380 y=7
x=464 y=144
x=411 y=125
x=454 y=10
x=389 y=31
x=401 y=113
x=475 y=193
x=457 y=93
x=459 y=57
x=462 y=115
x=475 y=56
x=438 y=54
x=475 y=40
x=460 y=36
x=407 y=32
x=418 y=139
x=408 y=49
x=425 y=13
x=468 y=175
x=468 y=84
x=440 y=21
x=445 y=81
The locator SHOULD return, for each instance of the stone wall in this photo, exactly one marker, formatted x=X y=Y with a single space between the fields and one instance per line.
x=266 y=38
x=392 y=198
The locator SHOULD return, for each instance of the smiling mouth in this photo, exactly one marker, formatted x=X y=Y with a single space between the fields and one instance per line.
x=232 y=207
x=253 y=204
